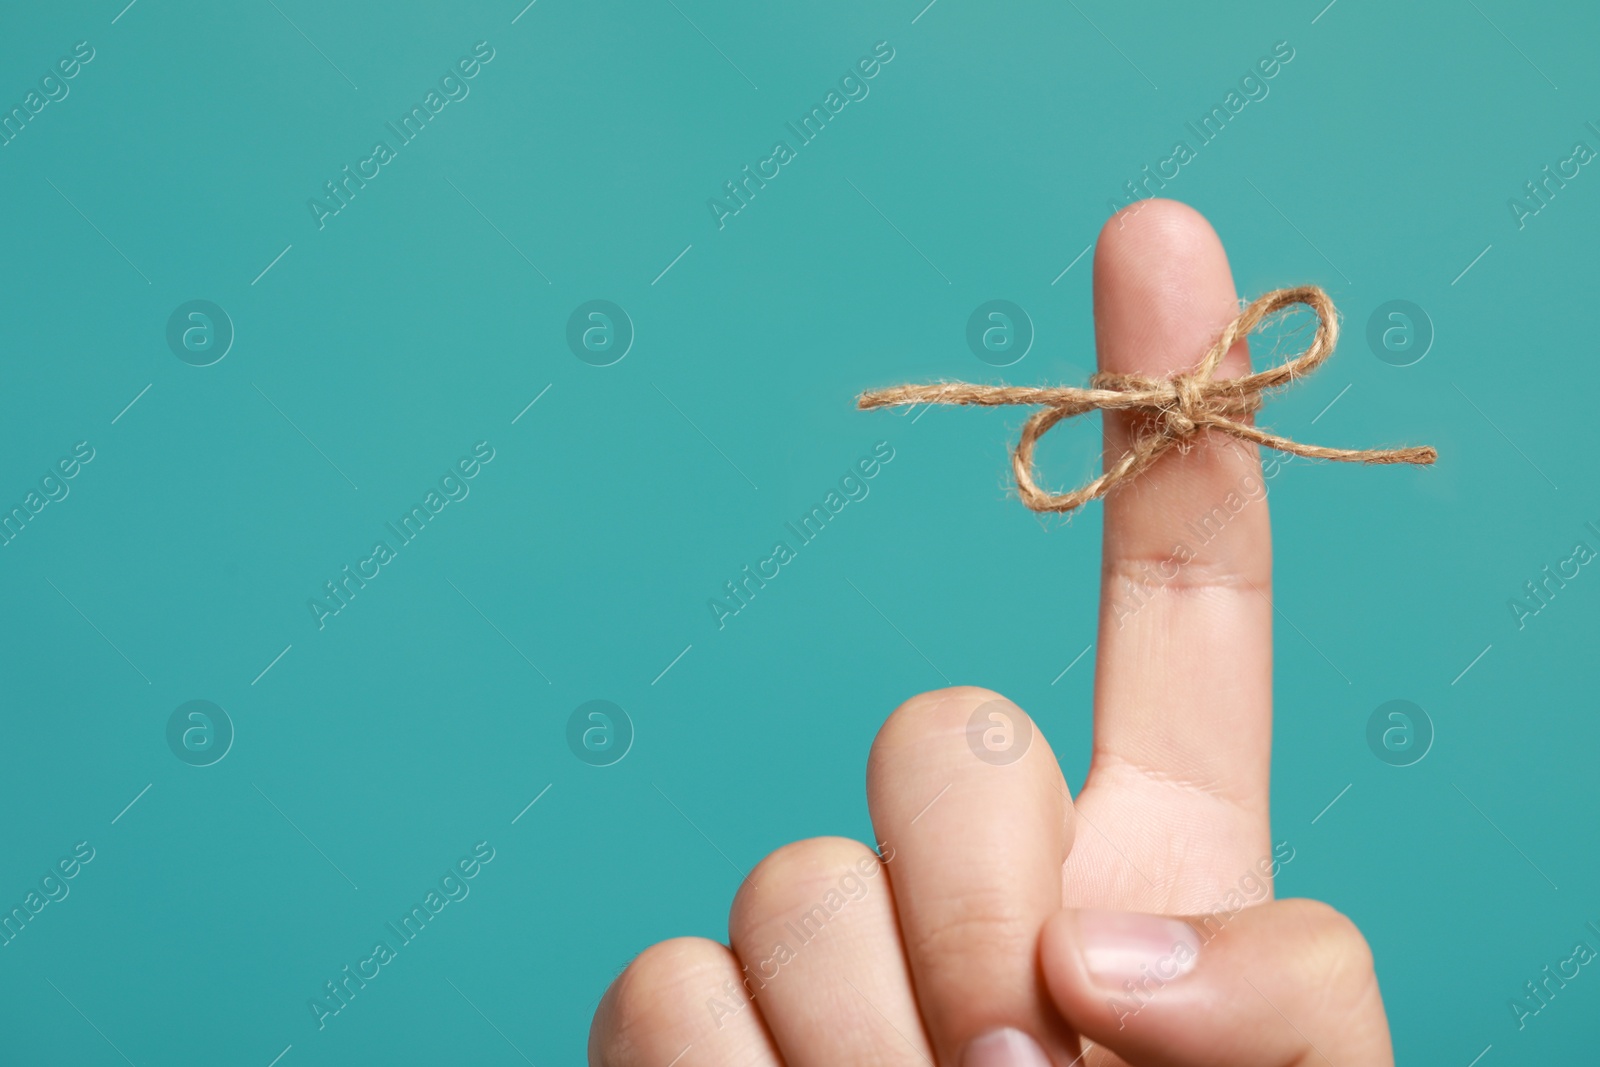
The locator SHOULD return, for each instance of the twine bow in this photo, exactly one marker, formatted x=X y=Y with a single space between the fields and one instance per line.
x=1179 y=407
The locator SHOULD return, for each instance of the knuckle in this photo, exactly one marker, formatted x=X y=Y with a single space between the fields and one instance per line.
x=663 y=985
x=800 y=876
x=1138 y=577
x=1336 y=978
x=1335 y=946
x=988 y=925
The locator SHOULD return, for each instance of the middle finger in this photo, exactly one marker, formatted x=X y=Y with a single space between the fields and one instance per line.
x=968 y=795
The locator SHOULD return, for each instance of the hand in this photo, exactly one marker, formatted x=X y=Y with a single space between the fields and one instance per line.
x=1002 y=920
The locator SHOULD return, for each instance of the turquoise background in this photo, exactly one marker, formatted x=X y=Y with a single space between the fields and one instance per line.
x=423 y=718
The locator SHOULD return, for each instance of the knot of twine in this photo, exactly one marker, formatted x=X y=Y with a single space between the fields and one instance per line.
x=1178 y=407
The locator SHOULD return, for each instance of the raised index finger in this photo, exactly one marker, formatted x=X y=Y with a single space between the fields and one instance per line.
x=1183 y=695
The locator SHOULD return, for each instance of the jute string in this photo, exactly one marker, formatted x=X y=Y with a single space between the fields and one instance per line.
x=1179 y=407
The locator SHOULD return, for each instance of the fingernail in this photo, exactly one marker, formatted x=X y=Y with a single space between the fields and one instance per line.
x=1122 y=946
x=1005 y=1048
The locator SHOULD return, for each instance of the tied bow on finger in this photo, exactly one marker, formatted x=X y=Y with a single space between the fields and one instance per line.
x=1180 y=406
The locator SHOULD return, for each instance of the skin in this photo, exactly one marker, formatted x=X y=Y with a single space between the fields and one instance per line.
x=1000 y=923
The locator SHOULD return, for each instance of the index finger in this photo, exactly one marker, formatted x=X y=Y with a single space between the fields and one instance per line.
x=1183 y=693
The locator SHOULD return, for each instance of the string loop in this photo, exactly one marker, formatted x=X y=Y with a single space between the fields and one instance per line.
x=1180 y=406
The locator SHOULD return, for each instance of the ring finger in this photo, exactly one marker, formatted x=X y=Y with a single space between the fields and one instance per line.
x=814 y=928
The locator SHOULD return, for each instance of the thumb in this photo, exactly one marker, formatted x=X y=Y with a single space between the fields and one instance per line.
x=1289 y=982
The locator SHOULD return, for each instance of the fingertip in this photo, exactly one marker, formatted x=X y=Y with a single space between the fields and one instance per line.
x=1156 y=223
x=935 y=714
x=1162 y=288
x=1090 y=957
